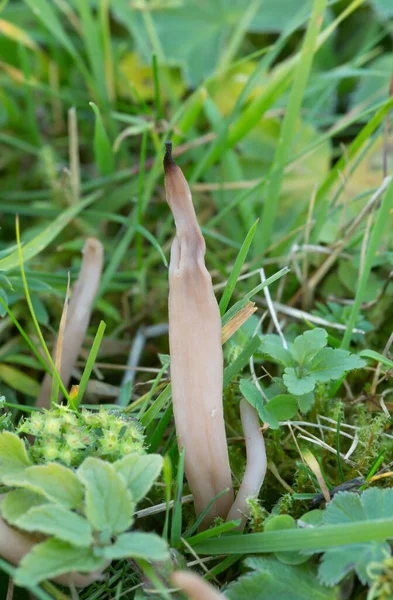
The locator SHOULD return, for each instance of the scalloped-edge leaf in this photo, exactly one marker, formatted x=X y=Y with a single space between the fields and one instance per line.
x=271 y=346
x=139 y=472
x=16 y=503
x=306 y=346
x=13 y=455
x=348 y=507
x=54 y=481
x=54 y=557
x=336 y=563
x=63 y=524
x=298 y=385
x=109 y=506
x=271 y=578
x=147 y=546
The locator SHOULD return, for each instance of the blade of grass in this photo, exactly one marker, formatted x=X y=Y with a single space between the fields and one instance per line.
x=377 y=356
x=317 y=539
x=157 y=89
x=242 y=303
x=341 y=165
x=43 y=239
x=243 y=358
x=157 y=406
x=167 y=472
x=104 y=18
x=94 y=48
x=54 y=371
x=289 y=125
x=89 y=366
x=237 y=267
x=159 y=430
x=104 y=156
x=48 y=16
x=24 y=335
x=177 y=506
x=375 y=238
x=141 y=183
x=199 y=520
x=212 y=532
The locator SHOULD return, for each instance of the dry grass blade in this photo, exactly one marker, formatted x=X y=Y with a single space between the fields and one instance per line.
x=237 y=321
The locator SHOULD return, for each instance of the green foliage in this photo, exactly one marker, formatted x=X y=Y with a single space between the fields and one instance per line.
x=70 y=436
x=308 y=362
x=268 y=578
x=108 y=502
x=273 y=114
x=347 y=507
x=84 y=514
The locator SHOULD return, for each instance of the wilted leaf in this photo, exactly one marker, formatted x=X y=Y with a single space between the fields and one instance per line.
x=147 y=546
x=57 y=483
x=59 y=522
x=139 y=472
x=54 y=557
x=13 y=455
x=109 y=505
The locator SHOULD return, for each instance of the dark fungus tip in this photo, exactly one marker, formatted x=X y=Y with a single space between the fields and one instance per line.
x=168 y=160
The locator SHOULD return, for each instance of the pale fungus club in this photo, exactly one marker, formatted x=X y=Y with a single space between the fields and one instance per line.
x=197 y=368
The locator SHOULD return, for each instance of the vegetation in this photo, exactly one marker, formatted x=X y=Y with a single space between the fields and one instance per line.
x=278 y=113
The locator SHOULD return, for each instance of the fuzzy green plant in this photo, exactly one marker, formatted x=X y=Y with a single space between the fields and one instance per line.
x=68 y=436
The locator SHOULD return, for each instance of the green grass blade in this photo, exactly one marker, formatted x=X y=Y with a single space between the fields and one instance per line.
x=94 y=48
x=46 y=13
x=104 y=156
x=177 y=506
x=157 y=406
x=317 y=539
x=141 y=185
x=157 y=88
x=54 y=371
x=167 y=476
x=377 y=356
x=237 y=267
x=117 y=255
x=241 y=361
x=89 y=365
x=242 y=303
x=43 y=239
x=375 y=238
x=360 y=141
x=214 y=531
x=24 y=335
x=288 y=130
x=150 y=237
